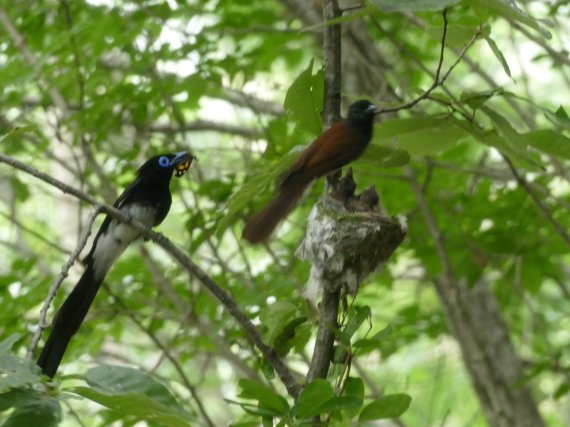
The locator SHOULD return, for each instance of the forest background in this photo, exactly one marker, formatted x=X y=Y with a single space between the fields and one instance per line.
x=466 y=325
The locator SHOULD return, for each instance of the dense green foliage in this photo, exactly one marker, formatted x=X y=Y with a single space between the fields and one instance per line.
x=92 y=88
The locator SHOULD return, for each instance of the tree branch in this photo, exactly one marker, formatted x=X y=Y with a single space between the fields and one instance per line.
x=437 y=80
x=293 y=388
x=539 y=204
x=206 y=125
x=166 y=351
x=59 y=280
x=328 y=319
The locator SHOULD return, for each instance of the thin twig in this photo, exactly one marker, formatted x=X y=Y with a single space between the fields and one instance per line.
x=539 y=204
x=166 y=351
x=60 y=278
x=437 y=81
x=286 y=376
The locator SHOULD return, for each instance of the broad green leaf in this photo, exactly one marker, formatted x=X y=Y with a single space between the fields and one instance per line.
x=388 y=406
x=386 y=157
x=550 y=142
x=138 y=405
x=420 y=136
x=339 y=403
x=476 y=99
x=513 y=140
x=499 y=55
x=375 y=342
x=559 y=117
x=32 y=408
x=274 y=317
x=255 y=409
x=7 y=344
x=16 y=372
x=120 y=380
x=304 y=100
x=413 y=5
x=510 y=10
x=288 y=338
x=266 y=396
x=313 y=395
x=357 y=318
x=354 y=387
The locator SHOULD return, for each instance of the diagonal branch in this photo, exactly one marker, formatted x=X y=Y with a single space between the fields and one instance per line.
x=537 y=201
x=286 y=376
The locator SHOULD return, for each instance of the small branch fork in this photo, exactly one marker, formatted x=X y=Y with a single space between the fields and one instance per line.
x=286 y=376
x=59 y=280
x=437 y=80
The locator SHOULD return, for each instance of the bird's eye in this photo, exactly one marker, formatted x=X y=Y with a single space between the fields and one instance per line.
x=164 y=161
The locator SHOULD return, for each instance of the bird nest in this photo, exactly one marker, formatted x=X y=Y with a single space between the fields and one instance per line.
x=345 y=242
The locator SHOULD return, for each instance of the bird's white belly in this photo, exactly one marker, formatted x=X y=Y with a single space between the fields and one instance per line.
x=118 y=236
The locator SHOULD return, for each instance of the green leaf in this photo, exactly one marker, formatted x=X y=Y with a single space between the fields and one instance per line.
x=274 y=317
x=254 y=409
x=304 y=100
x=7 y=344
x=375 y=342
x=550 y=142
x=16 y=372
x=120 y=380
x=499 y=55
x=413 y=5
x=420 y=136
x=559 y=118
x=264 y=395
x=32 y=408
x=139 y=406
x=357 y=318
x=387 y=157
x=287 y=339
x=339 y=403
x=354 y=387
x=388 y=406
x=509 y=10
x=476 y=99
x=313 y=395
x=514 y=141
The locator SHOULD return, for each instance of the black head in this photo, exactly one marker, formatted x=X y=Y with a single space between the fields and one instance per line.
x=166 y=164
x=361 y=111
x=361 y=118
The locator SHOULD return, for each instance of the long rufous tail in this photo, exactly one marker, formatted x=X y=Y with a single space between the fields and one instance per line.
x=259 y=227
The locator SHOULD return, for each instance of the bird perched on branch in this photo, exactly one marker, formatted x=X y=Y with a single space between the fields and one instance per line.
x=147 y=199
x=342 y=143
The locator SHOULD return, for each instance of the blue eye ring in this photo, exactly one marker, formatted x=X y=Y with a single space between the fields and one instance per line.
x=164 y=161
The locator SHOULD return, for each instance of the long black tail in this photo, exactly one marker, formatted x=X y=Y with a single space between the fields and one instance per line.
x=68 y=319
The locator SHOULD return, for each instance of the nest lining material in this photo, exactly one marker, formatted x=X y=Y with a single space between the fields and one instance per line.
x=345 y=247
